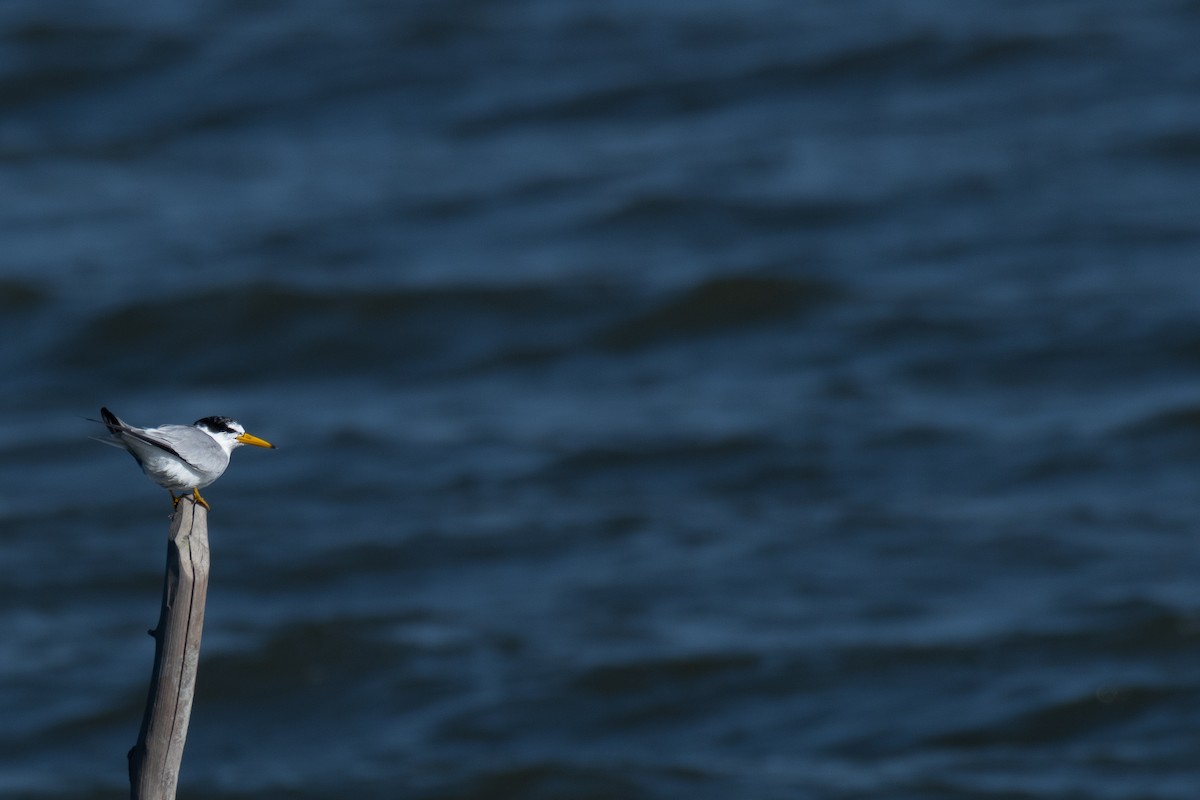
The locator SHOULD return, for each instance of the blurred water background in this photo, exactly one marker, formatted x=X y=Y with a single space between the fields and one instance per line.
x=698 y=399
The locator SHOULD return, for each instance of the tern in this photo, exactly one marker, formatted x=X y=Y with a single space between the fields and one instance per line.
x=181 y=458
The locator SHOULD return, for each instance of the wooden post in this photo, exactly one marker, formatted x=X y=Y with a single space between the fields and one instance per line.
x=154 y=760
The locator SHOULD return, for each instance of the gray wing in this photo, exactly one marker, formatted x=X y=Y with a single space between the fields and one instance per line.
x=185 y=442
x=135 y=440
x=202 y=451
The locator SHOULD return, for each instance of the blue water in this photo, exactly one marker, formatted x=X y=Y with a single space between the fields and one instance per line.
x=674 y=400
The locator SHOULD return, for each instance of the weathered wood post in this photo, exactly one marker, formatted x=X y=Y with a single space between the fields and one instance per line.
x=154 y=761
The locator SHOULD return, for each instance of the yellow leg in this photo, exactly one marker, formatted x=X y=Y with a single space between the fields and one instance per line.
x=200 y=500
x=174 y=499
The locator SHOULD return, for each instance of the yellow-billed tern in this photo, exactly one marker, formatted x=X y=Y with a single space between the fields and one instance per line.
x=181 y=458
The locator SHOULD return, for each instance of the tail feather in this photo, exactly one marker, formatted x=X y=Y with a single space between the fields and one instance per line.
x=115 y=428
x=111 y=420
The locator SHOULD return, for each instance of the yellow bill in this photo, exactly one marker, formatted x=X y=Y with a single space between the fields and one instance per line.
x=246 y=438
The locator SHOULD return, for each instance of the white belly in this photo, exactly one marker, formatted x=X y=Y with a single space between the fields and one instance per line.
x=171 y=473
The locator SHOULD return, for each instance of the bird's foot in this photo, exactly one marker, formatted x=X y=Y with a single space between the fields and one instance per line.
x=200 y=500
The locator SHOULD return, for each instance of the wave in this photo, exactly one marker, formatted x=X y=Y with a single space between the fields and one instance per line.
x=722 y=304
x=262 y=332
x=257 y=332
